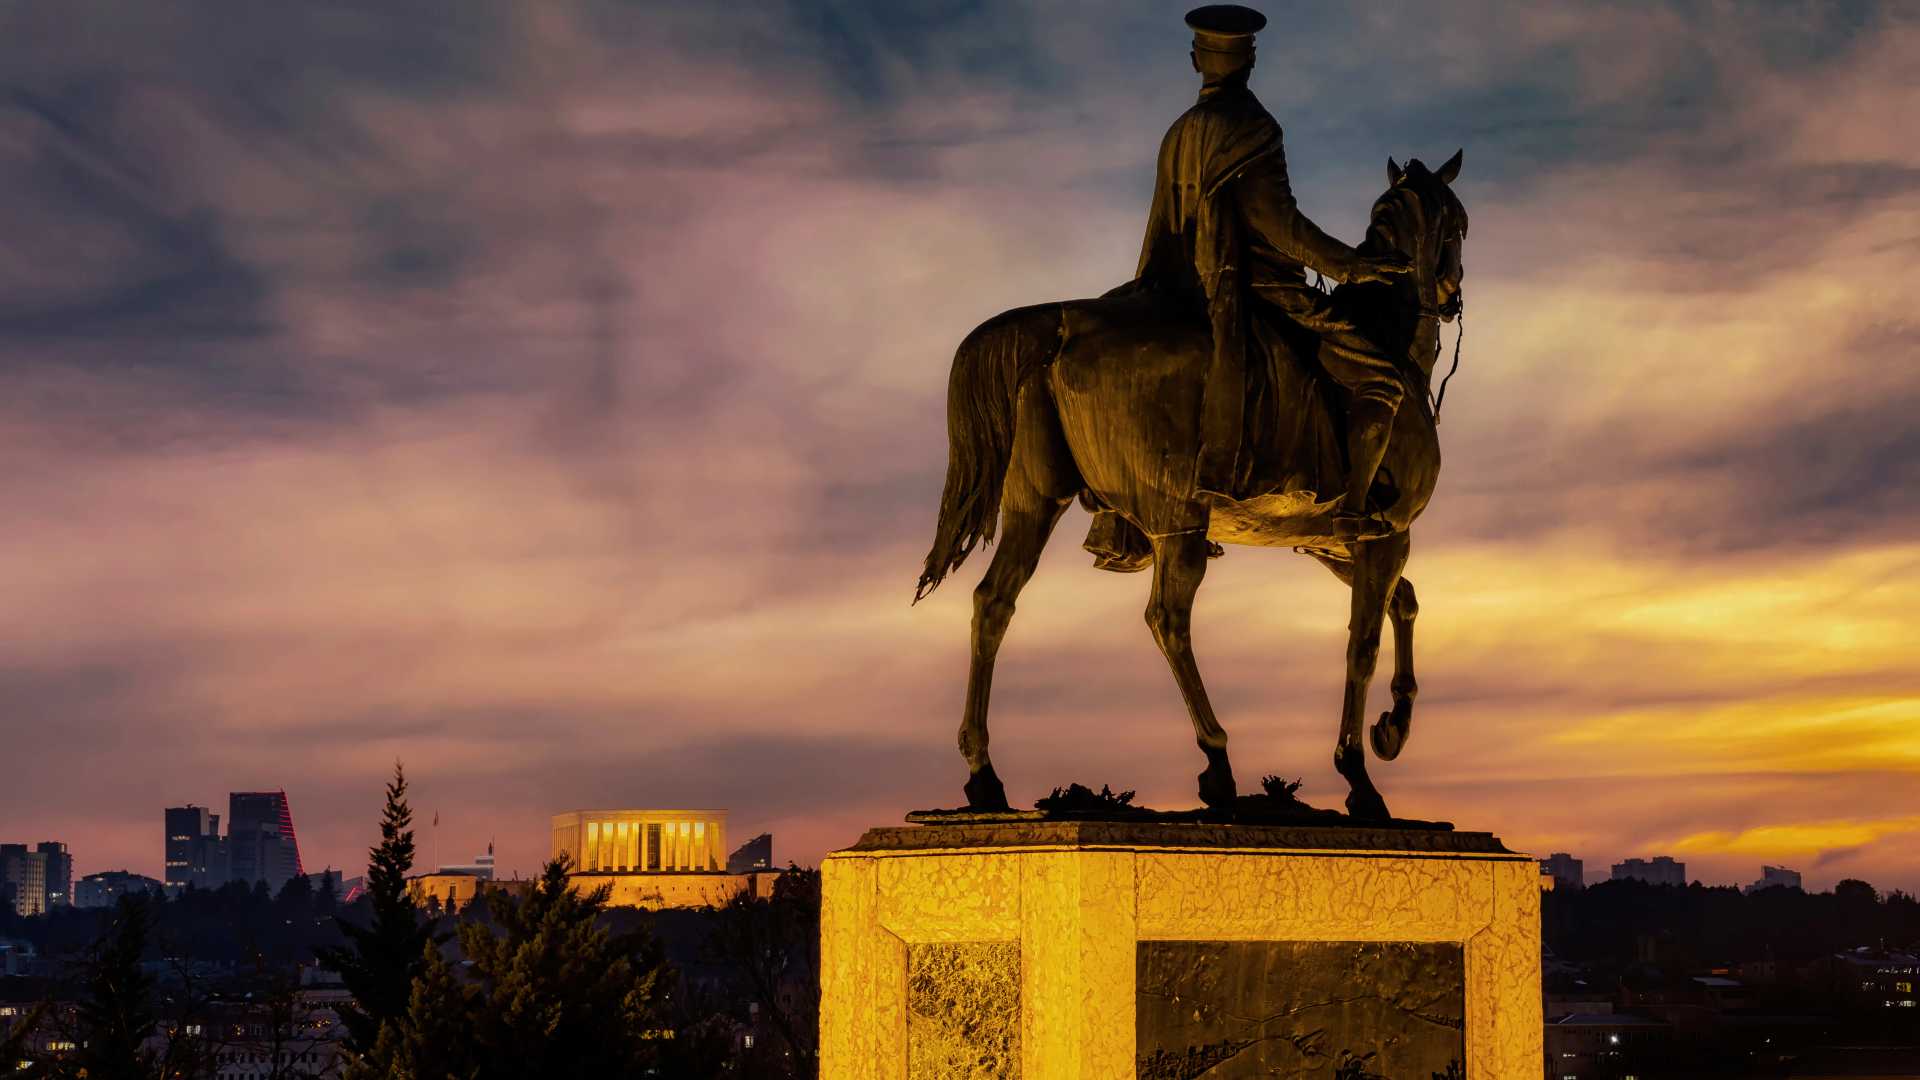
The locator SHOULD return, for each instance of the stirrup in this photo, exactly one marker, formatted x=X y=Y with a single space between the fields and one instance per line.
x=1348 y=525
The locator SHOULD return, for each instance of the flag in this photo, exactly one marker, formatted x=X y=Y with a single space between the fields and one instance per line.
x=436 y=819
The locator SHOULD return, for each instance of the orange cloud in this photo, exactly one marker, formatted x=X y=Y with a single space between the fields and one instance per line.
x=1796 y=840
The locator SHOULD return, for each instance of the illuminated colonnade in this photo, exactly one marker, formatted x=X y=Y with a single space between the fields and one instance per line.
x=642 y=841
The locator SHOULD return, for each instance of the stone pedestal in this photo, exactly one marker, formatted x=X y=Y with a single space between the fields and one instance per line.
x=1094 y=950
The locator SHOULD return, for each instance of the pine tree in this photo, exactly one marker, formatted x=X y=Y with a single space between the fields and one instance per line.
x=547 y=992
x=560 y=995
x=434 y=1043
x=116 y=1012
x=381 y=959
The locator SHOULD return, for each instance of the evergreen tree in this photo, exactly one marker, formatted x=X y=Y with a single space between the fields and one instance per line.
x=434 y=1042
x=381 y=959
x=547 y=992
x=116 y=1013
x=326 y=900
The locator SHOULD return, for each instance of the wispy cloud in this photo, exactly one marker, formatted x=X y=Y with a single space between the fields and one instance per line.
x=552 y=396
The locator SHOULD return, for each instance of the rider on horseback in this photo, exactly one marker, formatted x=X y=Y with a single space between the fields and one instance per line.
x=1118 y=401
x=1226 y=231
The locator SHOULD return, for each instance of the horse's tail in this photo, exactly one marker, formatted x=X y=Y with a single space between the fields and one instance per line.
x=983 y=395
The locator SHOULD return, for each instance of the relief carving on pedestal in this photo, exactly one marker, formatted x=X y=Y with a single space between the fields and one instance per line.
x=963 y=1011
x=1329 y=1010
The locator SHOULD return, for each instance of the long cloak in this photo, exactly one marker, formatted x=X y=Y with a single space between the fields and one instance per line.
x=1195 y=244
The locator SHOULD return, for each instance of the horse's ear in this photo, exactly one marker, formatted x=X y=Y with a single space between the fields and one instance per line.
x=1451 y=170
x=1394 y=175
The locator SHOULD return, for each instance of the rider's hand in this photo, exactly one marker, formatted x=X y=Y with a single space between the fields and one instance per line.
x=1381 y=268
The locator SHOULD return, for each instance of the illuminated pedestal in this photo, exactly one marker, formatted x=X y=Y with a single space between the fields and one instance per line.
x=1100 y=950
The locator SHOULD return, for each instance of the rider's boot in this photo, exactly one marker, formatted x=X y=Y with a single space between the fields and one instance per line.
x=1367 y=432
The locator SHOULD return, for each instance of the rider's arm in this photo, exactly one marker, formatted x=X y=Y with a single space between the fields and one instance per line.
x=1268 y=207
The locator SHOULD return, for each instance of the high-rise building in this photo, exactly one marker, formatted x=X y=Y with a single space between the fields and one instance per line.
x=755 y=854
x=23 y=876
x=261 y=845
x=196 y=853
x=59 y=873
x=1775 y=877
x=1567 y=872
x=1660 y=870
x=35 y=880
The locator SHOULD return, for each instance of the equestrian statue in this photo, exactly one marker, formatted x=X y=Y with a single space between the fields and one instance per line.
x=1218 y=398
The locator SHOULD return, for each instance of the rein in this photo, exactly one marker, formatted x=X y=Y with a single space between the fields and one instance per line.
x=1459 y=333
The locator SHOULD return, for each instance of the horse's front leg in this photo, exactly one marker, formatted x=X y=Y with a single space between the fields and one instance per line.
x=1376 y=571
x=1389 y=733
x=1179 y=564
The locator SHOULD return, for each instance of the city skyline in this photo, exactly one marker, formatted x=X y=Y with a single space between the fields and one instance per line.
x=552 y=398
x=1600 y=867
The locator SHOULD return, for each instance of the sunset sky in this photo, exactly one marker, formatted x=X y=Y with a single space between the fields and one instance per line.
x=552 y=396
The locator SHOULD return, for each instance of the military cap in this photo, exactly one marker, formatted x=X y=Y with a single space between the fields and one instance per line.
x=1225 y=27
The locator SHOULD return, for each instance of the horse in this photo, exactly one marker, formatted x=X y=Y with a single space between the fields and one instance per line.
x=1099 y=400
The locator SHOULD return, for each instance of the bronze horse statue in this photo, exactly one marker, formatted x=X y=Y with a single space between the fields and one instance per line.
x=1100 y=400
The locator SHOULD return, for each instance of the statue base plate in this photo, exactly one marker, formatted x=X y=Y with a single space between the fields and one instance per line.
x=1278 y=805
x=1097 y=949
x=1332 y=819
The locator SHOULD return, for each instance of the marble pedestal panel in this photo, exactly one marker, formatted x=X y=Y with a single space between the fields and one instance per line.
x=1087 y=950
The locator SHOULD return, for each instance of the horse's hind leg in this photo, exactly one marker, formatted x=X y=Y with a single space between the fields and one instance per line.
x=1179 y=564
x=1389 y=733
x=1040 y=483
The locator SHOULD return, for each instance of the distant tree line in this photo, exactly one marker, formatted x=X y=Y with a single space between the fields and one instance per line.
x=1709 y=925
x=235 y=925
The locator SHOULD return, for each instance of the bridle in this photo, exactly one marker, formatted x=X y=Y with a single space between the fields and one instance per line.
x=1428 y=310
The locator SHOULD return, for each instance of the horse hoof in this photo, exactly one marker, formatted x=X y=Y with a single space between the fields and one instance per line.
x=984 y=791
x=1388 y=735
x=1367 y=806
x=1217 y=788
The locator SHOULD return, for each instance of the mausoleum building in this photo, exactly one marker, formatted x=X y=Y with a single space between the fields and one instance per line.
x=651 y=858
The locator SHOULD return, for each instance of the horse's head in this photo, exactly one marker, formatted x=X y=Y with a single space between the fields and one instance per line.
x=1420 y=217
